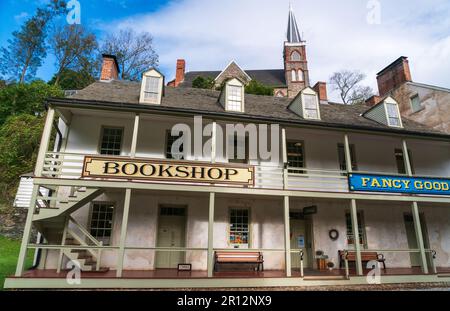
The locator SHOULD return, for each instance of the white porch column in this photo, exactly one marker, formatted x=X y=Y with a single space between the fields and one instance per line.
x=415 y=213
x=210 y=261
x=353 y=211
x=285 y=160
x=123 y=232
x=45 y=141
x=287 y=240
x=354 y=217
x=135 y=136
x=27 y=232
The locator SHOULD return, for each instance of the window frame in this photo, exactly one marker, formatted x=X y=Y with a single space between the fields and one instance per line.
x=249 y=229
x=411 y=100
x=234 y=83
x=246 y=146
x=353 y=159
x=166 y=142
x=300 y=75
x=151 y=74
x=388 y=117
x=397 y=152
x=361 y=229
x=311 y=93
x=303 y=156
x=294 y=75
x=113 y=217
x=100 y=141
x=299 y=56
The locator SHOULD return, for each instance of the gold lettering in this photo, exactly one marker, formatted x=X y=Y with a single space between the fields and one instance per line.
x=428 y=185
x=445 y=186
x=397 y=183
x=364 y=181
x=406 y=183
x=375 y=183
x=437 y=186
x=387 y=183
x=418 y=185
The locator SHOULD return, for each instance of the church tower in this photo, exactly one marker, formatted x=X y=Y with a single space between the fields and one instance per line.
x=295 y=63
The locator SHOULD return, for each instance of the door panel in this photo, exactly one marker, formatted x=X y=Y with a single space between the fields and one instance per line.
x=412 y=239
x=171 y=233
x=300 y=238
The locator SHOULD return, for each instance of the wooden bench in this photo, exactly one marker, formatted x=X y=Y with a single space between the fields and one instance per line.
x=239 y=258
x=365 y=257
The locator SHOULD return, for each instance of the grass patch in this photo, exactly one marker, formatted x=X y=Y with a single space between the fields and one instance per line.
x=9 y=251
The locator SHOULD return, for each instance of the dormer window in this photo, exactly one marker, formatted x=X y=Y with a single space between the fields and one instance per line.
x=151 y=87
x=233 y=95
x=386 y=112
x=306 y=104
x=393 y=114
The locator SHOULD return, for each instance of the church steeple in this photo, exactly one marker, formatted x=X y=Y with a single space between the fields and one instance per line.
x=295 y=61
x=293 y=35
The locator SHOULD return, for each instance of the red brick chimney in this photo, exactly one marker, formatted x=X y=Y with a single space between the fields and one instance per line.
x=179 y=76
x=110 y=68
x=393 y=75
x=373 y=100
x=321 y=89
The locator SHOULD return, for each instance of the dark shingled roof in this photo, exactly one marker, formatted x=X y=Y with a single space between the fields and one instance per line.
x=125 y=94
x=269 y=77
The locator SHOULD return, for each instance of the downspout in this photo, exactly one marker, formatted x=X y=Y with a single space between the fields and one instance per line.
x=40 y=237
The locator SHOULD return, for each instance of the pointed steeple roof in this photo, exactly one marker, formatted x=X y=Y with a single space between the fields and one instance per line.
x=293 y=34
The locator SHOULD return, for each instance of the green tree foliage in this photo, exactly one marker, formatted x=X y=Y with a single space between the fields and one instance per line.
x=257 y=88
x=73 y=80
x=26 y=98
x=73 y=47
x=27 y=48
x=19 y=137
x=203 y=83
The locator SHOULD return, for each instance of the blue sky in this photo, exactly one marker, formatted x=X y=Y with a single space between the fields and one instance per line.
x=209 y=34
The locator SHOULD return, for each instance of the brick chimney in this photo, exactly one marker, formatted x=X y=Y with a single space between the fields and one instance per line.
x=373 y=100
x=179 y=76
x=321 y=89
x=110 y=68
x=393 y=75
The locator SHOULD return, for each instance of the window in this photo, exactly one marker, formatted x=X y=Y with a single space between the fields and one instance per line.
x=151 y=87
x=293 y=75
x=342 y=161
x=234 y=98
x=172 y=211
x=151 y=90
x=295 y=56
x=295 y=155
x=361 y=229
x=101 y=221
x=111 y=141
x=399 y=159
x=169 y=142
x=393 y=115
x=239 y=226
x=240 y=148
x=310 y=106
x=300 y=75
x=415 y=103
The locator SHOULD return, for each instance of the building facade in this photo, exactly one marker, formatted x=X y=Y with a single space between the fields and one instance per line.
x=152 y=184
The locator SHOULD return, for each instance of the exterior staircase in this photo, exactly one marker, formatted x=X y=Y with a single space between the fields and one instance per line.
x=67 y=206
x=86 y=259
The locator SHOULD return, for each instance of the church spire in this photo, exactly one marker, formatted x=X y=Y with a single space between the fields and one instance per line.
x=293 y=34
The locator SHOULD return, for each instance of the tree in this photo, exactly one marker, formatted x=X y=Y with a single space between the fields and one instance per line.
x=19 y=137
x=134 y=52
x=26 y=50
x=348 y=84
x=73 y=80
x=73 y=47
x=25 y=98
x=257 y=88
x=203 y=83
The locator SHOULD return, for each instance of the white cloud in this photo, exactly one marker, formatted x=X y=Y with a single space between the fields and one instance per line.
x=208 y=34
x=19 y=17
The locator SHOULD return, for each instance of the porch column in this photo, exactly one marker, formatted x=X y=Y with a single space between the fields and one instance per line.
x=27 y=232
x=135 y=136
x=353 y=212
x=45 y=141
x=355 y=226
x=210 y=261
x=123 y=232
x=287 y=240
x=285 y=160
x=415 y=213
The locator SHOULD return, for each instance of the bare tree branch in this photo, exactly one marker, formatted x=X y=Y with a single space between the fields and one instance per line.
x=347 y=83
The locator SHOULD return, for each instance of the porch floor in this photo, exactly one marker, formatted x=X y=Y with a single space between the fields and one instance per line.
x=174 y=274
